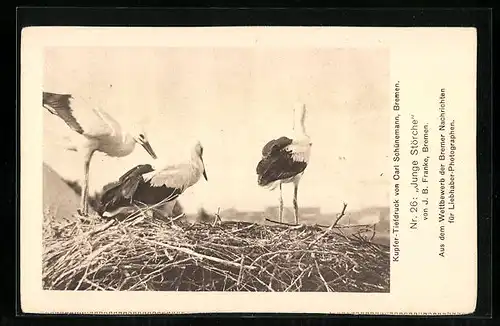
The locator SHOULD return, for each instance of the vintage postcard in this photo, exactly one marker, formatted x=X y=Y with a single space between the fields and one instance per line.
x=248 y=169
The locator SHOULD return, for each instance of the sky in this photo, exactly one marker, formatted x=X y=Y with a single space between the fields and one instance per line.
x=234 y=100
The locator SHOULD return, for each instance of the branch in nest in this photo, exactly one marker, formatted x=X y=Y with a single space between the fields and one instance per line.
x=342 y=214
x=194 y=253
x=348 y=226
x=281 y=223
x=330 y=228
x=102 y=227
x=357 y=236
x=217 y=217
x=175 y=218
x=374 y=232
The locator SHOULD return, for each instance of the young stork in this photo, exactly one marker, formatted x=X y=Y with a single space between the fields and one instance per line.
x=284 y=160
x=144 y=185
x=101 y=132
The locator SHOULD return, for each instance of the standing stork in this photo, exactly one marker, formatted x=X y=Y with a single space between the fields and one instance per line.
x=144 y=185
x=101 y=131
x=284 y=160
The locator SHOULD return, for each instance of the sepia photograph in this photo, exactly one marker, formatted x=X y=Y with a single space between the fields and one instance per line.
x=215 y=169
x=248 y=169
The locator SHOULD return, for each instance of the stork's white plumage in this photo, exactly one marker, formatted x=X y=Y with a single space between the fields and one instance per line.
x=284 y=160
x=144 y=185
x=101 y=132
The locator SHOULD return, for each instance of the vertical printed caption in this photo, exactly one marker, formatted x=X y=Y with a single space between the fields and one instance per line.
x=439 y=210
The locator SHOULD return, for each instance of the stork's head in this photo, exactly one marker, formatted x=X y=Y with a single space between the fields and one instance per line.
x=198 y=151
x=141 y=138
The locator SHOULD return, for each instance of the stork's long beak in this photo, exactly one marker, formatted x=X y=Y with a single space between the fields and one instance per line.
x=148 y=149
x=204 y=171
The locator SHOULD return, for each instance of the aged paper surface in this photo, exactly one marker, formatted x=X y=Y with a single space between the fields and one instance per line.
x=391 y=116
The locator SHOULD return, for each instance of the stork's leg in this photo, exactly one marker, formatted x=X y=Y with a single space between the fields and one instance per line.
x=85 y=189
x=168 y=210
x=281 y=204
x=295 y=205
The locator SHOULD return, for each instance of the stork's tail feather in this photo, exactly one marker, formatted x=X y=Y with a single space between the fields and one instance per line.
x=266 y=184
x=261 y=181
x=121 y=192
x=110 y=194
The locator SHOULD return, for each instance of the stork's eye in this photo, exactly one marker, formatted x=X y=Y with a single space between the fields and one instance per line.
x=141 y=135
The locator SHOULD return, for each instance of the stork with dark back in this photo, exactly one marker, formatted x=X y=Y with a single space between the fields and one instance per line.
x=131 y=188
x=277 y=162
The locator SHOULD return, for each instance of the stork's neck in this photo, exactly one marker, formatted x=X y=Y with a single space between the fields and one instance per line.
x=301 y=138
x=127 y=138
x=300 y=132
x=128 y=141
x=299 y=128
x=126 y=145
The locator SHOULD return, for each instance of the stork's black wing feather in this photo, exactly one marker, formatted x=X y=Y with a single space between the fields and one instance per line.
x=279 y=166
x=275 y=145
x=128 y=176
x=277 y=163
x=138 y=170
x=60 y=105
x=151 y=195
x=123 y=191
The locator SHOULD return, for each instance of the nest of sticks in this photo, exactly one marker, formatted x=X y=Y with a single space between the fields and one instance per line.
x=148 y=253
